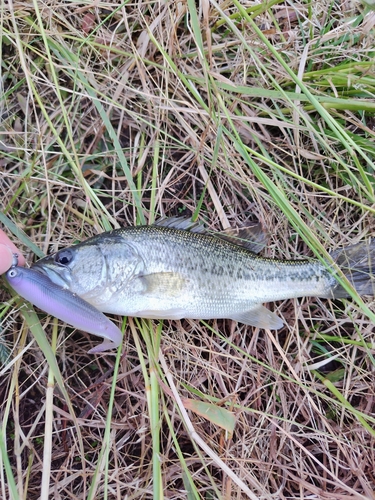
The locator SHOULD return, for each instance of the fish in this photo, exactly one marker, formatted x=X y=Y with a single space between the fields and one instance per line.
x=38 y=289
x=175 y=269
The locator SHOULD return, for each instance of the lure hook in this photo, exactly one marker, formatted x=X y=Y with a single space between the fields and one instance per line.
x=15 y=260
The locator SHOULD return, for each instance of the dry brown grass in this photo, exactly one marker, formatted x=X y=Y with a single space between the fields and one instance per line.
x=115 y=114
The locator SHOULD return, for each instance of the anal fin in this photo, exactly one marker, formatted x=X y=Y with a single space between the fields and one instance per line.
x=261 y=317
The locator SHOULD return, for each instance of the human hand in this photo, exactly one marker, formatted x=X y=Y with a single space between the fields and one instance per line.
x=7 y=249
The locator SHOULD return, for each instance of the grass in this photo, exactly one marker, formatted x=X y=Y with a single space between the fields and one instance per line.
x=117 y=114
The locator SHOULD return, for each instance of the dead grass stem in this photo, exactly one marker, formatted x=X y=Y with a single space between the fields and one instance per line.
x=114 y=114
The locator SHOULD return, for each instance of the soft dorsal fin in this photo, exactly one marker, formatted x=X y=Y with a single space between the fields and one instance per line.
x=254 y=238
x=251 y=237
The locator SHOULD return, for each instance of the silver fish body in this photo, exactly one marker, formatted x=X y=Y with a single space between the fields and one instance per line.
x=170 y=273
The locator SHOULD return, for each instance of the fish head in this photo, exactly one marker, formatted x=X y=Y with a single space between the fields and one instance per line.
x=78 y=269
x=94 y=270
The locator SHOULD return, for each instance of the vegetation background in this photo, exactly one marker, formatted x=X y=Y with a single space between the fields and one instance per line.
x=232 y=111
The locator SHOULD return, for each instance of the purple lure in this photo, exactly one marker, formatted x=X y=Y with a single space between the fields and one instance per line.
x=38 y=289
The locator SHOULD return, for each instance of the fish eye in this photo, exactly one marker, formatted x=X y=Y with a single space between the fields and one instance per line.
x=64 y=257
x=12 y=273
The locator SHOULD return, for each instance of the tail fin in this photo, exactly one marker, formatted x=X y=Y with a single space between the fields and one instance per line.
x=357 y=262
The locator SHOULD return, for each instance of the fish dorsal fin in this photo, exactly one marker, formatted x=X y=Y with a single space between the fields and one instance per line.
x=252 y=237
x=182 y=223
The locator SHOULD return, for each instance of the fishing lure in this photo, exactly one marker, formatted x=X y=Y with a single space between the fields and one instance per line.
x=38 y=289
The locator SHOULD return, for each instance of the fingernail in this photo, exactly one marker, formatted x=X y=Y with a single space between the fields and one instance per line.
x=6 y=256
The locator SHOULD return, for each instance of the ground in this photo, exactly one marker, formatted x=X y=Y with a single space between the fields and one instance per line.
x=114 y=114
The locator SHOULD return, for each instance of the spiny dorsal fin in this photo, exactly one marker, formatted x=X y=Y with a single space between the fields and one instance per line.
x=251 y=237
x=182 y=223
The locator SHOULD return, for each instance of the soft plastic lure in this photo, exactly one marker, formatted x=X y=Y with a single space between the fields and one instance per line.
x=38 y=289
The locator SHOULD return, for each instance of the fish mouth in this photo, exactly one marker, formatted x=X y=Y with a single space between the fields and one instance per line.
x=55 y=272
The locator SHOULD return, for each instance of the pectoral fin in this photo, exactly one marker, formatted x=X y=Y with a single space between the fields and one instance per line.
x=261 y=317
x=163 y=284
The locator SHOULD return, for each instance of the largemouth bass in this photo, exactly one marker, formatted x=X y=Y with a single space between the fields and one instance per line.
x=167 y=272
